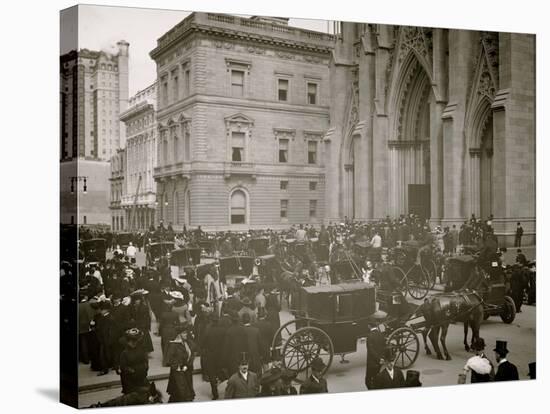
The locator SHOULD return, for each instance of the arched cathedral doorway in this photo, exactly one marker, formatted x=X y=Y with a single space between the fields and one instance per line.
x=409 y=144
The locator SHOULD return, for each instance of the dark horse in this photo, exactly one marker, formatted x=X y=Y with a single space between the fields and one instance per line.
x=442 y=309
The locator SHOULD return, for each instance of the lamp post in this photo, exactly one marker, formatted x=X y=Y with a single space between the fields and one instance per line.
x=76 y=180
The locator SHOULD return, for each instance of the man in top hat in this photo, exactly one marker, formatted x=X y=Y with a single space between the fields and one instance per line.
x=506 y=371
x=376 y=344
x=315 y=384
x=390 y=376
x=413 y=378
x=243 y=383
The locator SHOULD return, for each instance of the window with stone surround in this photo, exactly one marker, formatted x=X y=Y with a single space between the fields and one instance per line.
x=312 y=91
x=237 y=83
x=313 y=185
x=284 y=185
x=237 y=146
x=238 y=72
x=164 y=90
x=238 y=207
x=175 y=85
x=282 y=89
x=312 y=152
x=283 y=150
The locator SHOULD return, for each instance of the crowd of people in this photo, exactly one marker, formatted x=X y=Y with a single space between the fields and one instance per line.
x=227 y=330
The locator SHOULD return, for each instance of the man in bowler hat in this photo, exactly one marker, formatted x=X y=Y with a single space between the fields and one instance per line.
x=506 y=371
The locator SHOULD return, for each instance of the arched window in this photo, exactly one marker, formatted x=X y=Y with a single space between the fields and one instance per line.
x=238 y=207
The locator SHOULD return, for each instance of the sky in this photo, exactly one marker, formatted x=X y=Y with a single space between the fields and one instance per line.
x=101 y=27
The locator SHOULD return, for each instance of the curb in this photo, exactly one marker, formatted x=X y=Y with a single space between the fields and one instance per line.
x=116 y=383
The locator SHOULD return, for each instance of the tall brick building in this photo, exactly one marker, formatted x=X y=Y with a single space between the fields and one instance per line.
x=243 y=108
x=432 y=121
x=94 y=91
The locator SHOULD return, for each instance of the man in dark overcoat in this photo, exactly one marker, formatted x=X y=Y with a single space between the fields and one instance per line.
x=234 y=345
x=254 y=344
x=243 y=383
x=506 y=371
x=212 y=340
x=376 y=344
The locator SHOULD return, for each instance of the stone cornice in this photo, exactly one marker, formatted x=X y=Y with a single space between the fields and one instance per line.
x=407 y=143
x=243 y=105
x=191 y=25
x=139 y=109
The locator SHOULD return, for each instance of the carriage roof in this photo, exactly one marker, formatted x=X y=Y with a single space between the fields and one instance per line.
x=343 y=302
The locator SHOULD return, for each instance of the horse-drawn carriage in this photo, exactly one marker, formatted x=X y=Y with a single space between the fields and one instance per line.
x=123 y=240
x=329 y=320
x=94 y=250
x=462 y=272
x=157 y=250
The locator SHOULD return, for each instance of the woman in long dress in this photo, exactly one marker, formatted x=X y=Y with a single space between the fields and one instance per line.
x=180 y=359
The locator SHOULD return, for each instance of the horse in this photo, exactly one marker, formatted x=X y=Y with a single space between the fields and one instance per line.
x=440 y=310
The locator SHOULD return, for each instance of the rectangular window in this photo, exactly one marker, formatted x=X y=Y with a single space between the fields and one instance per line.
x=187 y=146
x=237 y=83
x=312 y=152
x=313 y=185
x=283 y=150
x=311 y=93
x=164 y=91
x=237 y=146
x=187 y=82
x=283 y=89
x=85 y=220
x=312 y=208
x=284 y=209
x=175 y=86
x=284 y=185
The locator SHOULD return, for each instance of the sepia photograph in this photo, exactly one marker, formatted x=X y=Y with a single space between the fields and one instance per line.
x=255 y=206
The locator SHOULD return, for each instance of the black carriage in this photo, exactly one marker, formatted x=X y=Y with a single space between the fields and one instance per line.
x=94 y=250
x=208 y=247
x=157 y=250
x=188 y=256
x=124 y=239
x=463 y=272
x=235 y=269
x=258 y=246
x=329 y=320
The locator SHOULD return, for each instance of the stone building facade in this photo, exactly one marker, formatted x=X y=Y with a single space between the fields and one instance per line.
x=432 y=121
x=139 y=188
x=94 y=91
x=118 y=186
x=243 y=106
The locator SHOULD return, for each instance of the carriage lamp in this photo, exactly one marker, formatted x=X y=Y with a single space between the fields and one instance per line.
x=76 y=180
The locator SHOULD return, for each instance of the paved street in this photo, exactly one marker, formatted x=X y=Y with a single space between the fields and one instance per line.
x=347 y=377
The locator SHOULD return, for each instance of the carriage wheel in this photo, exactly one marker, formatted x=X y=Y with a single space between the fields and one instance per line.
x=418 y=284
x=400 y=277
x=284 y=332
x=430 y=269
x=405 y=344
x=303 y=346
x=508 y=313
